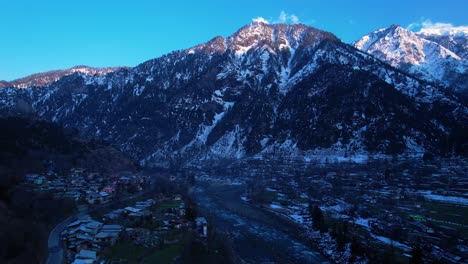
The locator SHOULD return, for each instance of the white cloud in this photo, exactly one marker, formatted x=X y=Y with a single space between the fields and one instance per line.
x=295 y=19
x=282 y=17
x=427 y=27
x=260 y=20
x=285 y=18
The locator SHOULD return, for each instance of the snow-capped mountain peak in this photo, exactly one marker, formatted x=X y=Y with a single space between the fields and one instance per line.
x=398 y=45
x=415 y=54
x=275 y=37
x=452 y=38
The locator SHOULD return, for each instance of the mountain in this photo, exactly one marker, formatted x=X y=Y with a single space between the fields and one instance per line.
x=28 y=145
x=454 y=39
x=277 y=91
x=46 y=78
x=427 y=56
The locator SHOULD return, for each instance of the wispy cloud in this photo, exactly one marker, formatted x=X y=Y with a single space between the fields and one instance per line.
x=286 y=18
x=283 y=18
x=427 y=26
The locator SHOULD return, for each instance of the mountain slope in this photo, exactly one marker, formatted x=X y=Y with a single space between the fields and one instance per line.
x=288 y=91
x=417 y=55
x=45 y=78
x=30 y=146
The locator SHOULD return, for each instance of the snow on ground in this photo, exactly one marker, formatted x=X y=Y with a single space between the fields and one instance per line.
x=297 y=218
x=276 y=206
x=388 y=241
x=363 y=222
x=447 y=199
x=336 y=208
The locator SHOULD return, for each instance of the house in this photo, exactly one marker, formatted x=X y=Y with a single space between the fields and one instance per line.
x=144 y=205
x=113 y=215
x=75 y=224
x=124 y=179
x=86 y=256
x=93 y=198
x=94 y=226
x=130 y=210
x=108 y=189
x=78 y=172
x=108 y=234
x=202 y=226
x=74 y=195
x=104 y=197
x=93 y=176
x=182 y=210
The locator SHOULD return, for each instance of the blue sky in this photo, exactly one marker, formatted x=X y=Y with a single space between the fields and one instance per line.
x=53 y=34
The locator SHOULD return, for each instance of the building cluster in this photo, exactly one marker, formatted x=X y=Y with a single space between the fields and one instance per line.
x=84 y=187
x=84 y=238
x=149 y=223
x=402 y=205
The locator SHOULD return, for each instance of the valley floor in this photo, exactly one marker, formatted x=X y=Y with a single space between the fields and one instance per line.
x=385 y=210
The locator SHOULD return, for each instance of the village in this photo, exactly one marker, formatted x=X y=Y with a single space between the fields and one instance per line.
x=395 y=209
x=88 y=188
x=390 y=209
x=155 y=227
x=121 y=216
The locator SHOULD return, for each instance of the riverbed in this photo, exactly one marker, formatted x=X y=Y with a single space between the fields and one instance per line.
x=258 y=235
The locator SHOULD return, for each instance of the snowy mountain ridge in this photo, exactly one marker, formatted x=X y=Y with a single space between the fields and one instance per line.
x=280 y=91
x=46 y=78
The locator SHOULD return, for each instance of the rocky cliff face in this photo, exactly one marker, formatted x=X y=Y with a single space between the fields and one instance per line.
x=287 y=91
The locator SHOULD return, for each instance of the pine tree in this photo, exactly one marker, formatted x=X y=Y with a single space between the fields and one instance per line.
x=317 y=219
x=416 y=255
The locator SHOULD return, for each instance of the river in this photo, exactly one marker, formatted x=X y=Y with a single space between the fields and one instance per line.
x=258 y=235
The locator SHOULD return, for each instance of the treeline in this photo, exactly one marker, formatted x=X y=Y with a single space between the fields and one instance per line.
x=31 y=145
x=25 y=218
x=27 y=146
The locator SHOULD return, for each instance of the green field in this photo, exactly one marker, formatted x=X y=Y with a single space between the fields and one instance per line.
x=268 y=196
x=128 y=251
x=169 y=205
x=166 y=255
x=134 y=254
x=447 y=212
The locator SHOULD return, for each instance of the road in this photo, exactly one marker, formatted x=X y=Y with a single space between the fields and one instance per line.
x=258 y=235
x=55 y=253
